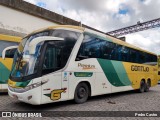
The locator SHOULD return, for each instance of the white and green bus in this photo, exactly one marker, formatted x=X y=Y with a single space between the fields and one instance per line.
x=68 y=62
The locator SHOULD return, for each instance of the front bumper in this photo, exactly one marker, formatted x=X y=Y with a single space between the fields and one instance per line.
x=32 y=96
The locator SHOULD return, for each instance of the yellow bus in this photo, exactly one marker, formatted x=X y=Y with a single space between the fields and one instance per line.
x=69 y=62
x=6 y=64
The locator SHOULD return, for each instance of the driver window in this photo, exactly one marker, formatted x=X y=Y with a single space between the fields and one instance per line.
x=51 y=60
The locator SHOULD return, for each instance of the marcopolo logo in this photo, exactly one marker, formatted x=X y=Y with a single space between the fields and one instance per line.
x=86 y=66
x=139 y=68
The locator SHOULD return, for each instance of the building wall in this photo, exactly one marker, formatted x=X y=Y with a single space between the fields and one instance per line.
x=11 y=19
x=19 y=18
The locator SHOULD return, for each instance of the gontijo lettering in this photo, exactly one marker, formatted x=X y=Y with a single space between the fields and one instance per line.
x=139 y=68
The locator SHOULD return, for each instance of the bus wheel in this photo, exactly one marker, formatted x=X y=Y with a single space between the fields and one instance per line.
x=147 y=86
x=142 y=87
x=81 y=93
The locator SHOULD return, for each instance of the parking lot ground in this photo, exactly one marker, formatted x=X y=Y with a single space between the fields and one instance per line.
x=123 y=101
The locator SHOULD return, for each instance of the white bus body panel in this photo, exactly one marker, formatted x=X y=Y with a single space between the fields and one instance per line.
x=98 y=82
x=54 y=83
x=35 y=93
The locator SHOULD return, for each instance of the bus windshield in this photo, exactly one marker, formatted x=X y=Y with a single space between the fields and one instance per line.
x=55 y=55
x=25 y=65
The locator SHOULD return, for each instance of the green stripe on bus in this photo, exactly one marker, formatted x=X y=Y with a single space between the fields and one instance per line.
x=48 y=95
x=121 y=72
x=4 y=74
x=110 y=72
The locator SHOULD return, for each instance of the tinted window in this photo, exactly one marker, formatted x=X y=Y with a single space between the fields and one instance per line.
x=4 y=44
x=66 y=34
x=67 y=49
x=70 y=39
x=109 y=51
x=95 y=47
x=58 y=52
x=52 y=57
x=122 y=53
x=91 y=47
x=142 y=57
x=133 y=57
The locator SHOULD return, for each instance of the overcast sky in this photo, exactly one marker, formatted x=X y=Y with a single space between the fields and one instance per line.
x=108 y=15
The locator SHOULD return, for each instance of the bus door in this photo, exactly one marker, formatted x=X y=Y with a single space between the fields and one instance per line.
x=52 y=89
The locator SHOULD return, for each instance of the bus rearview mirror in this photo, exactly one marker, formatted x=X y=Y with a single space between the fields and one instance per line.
x=7 y=48
x=33 y=44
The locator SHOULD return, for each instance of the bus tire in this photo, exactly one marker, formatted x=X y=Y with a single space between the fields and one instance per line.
x=147 y=86
x=142 y=86
x=81 y=93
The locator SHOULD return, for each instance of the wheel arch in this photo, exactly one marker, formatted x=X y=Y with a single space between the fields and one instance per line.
x=88 y=84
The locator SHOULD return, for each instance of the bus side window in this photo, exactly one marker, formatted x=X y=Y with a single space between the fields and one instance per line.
x=150 y=58
x=92 y=47
x=122 y=53
x=142 y=57
x=119 y=52
x=85 y=50
x=113 y=54
x=133 y=56
x=51 y=60
x=107 y=50
x=67 y=49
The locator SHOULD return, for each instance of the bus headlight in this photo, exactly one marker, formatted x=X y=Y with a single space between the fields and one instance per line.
x=35 y=85
x=32 y=86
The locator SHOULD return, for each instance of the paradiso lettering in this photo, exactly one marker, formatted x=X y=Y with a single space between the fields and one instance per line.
x=86 y=66
x=139 y=68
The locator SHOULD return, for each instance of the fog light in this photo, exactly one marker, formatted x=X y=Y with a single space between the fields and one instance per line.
x=29 y=97
x=15 y=96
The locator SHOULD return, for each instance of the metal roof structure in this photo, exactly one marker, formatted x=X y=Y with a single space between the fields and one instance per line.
x=135 y=28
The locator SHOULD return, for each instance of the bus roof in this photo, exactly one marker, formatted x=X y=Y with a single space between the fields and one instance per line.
x=58 y=26
x=10 y=38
